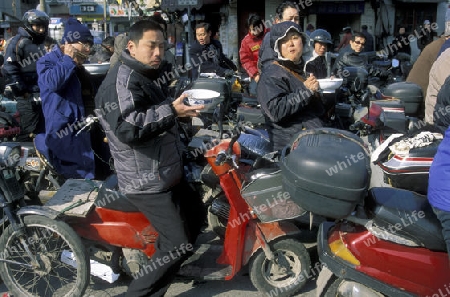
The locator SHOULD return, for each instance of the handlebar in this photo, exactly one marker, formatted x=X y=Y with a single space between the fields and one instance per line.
x=228 y=155
x=90 y=120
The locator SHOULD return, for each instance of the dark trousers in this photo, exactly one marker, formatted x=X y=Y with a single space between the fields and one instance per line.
x=31 y=118
x=163 y=211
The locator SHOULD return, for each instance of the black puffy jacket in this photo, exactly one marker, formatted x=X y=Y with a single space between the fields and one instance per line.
x=20 y=62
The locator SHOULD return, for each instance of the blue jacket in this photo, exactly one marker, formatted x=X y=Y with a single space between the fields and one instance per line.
x=64 y=113
x=439 y=179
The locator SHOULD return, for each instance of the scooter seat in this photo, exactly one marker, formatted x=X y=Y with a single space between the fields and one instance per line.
x=111 y=198
x=406 y=214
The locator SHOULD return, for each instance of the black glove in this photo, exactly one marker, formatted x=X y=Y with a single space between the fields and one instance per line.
x=228 y=73
x=385 y=74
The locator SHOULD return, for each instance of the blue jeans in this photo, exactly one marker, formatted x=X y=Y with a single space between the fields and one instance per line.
x=444 y=217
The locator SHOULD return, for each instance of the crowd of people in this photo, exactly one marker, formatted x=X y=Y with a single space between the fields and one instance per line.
x=140 y=120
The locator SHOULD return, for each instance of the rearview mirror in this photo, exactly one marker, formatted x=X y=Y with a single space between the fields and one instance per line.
x=395 y=63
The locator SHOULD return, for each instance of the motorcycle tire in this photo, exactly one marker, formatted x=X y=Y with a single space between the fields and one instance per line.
x=268 y=279
x=50 y=241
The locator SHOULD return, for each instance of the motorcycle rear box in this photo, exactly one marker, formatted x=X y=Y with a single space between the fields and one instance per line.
x=326 y=171
x=409 y=93
x=215 y=84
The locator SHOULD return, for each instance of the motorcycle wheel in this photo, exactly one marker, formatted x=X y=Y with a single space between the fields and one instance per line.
x=272 y=277
x=49 y=241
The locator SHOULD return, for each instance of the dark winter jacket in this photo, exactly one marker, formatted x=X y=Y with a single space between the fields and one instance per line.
x=102 y=55
x=369 y=46
x=65 y=93
x=209 y=58
x=20 y=62
x=141 y=128
x=349 y=58
x=438 y=183
x=288 y=106
x=441 y=113
x=400 y=44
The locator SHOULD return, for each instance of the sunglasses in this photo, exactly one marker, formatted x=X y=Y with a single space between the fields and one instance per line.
x=359 y=42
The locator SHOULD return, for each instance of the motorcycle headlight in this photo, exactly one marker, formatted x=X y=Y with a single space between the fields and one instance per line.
x=9 y=155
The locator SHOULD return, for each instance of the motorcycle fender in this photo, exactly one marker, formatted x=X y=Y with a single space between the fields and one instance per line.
x=271 y=231
x=39 y=211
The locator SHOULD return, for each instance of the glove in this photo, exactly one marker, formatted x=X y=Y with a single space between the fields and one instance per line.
x=385 y=74
x=228 y=73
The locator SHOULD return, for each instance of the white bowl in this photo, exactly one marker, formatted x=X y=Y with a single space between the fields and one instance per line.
x=329 y=85
x=201 y=97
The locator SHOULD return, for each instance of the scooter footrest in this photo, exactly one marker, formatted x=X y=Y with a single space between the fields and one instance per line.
x=202 y=264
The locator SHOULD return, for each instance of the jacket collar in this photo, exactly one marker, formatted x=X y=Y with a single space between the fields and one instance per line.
x=137 y=66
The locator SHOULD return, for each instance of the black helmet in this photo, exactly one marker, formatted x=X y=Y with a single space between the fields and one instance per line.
x=35 y=17
x=320 y=35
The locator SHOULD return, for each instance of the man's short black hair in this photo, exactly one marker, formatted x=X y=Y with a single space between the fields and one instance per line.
x=138 y=29
x=282 y=7
x=358 y=34
x=364 y=27
x=203 y=25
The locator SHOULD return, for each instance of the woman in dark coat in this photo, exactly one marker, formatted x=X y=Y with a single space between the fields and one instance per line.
x=289 y=102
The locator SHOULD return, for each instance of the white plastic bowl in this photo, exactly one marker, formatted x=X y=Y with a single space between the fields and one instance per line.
x=201 y=97
x=329 y=85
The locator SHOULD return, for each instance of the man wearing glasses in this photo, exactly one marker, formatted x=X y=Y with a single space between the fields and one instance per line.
x=67 y=99
x=350 y=55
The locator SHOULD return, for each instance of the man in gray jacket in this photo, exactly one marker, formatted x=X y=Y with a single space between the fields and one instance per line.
x=140 y=122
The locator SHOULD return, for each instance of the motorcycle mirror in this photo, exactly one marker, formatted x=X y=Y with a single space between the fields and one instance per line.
x=395 y=63
x=218 y=118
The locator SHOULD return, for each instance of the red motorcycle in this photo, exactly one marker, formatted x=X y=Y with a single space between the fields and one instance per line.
x=49 y=247
x=392 y=247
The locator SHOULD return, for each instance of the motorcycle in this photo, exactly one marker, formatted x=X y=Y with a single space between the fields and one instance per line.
x=92 y=220
x=36 y=174
x=391 y=246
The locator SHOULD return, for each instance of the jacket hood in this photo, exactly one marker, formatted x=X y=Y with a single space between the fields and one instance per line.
x=280 y=30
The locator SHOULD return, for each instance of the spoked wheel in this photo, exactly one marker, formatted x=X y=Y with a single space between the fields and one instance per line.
x=282 y=276
x=58 y=265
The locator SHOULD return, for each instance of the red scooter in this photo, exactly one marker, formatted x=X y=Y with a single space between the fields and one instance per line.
x=392 y=247
x=49 y=247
